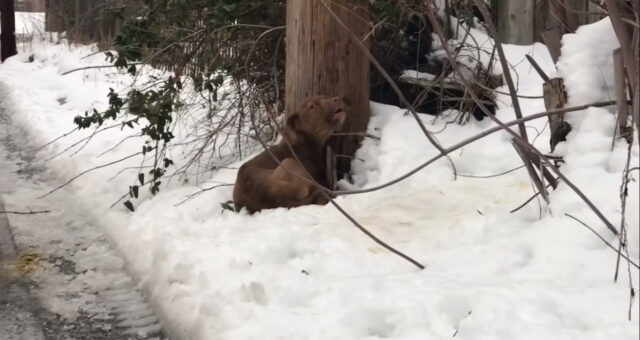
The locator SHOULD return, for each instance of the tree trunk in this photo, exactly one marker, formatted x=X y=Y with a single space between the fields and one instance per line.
x=8 y=46
x=322 y=59
x=54 y=20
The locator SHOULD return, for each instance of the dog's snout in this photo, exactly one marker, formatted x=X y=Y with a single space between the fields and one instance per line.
x=338 y=102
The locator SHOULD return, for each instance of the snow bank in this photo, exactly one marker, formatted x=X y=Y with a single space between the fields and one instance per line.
x=306 y=273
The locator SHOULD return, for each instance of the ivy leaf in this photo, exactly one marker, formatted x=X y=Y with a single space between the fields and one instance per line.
x=230 y=205
x=129 y=206
x=155 y=188
x=141 y=178
x=109 y=56
x=167 y=162
x=120 y=62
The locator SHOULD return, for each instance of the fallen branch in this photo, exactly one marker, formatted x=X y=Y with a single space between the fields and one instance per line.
x=471 y=140
x=515 y=135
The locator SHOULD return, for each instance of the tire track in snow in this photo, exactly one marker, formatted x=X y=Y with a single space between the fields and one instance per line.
x=77 y=286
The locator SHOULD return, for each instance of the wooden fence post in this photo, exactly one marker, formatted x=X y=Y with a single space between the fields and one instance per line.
x=515 y=21
x=323 y=60
x=524 y=21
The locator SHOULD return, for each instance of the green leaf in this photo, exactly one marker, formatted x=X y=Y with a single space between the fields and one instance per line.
x=141 y=178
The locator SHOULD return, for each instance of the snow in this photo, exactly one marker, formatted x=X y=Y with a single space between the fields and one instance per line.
x=307 y=273
x=29 y=24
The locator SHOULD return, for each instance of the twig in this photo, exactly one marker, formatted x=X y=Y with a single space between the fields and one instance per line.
x=376 y=239
x=623 y=209
x=93 y=67
x=30 y=212
x=54 y=140
x=87 y=171
x=85 y=140
x=118 y=144
x=503 y=61
x=535 y=65
x=527 y=201
x=521 y=150
x=361 y=134
x=202 y=191
x=603 y=240
x=492 y=176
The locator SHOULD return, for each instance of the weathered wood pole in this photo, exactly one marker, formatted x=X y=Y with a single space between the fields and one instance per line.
x=515 y=21
x=8 y=46
x=524 y=21
x=322 y=59
x=53 y=16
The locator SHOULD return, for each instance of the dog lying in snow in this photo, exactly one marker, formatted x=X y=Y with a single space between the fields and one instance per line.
x=263 y=183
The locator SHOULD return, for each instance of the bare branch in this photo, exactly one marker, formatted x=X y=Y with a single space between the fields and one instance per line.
x=30 y=212
x=87 y=171
x=603 y=240
x=471 y=140
x=545 y=161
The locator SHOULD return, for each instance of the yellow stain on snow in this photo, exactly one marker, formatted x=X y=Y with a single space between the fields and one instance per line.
x=376 y=250
x=24 y=264
x=524 y=186
x=442 y=207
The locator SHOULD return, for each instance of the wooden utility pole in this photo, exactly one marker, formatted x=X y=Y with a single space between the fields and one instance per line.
x=322 y=59
x=8 y=46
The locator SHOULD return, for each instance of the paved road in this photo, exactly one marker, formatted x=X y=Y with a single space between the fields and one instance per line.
x=60 y=278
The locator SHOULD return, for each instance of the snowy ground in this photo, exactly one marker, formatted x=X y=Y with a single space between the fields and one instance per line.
x=307 y=273
x=52 y=285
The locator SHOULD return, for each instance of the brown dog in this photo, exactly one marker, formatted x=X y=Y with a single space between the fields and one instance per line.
x=262 y=183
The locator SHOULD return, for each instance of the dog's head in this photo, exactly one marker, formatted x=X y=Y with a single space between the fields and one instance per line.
x=318 y=117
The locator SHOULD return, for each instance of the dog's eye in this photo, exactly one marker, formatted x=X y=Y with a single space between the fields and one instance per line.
x=313 y=106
